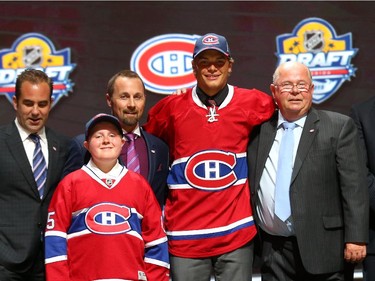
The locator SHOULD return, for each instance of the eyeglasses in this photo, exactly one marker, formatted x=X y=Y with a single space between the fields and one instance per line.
x=288 y=86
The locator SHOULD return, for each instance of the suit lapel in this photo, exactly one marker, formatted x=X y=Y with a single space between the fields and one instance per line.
x=17 y=150
x=53 y=158
x=309 y=132
x=372 y=112
x=151 y=156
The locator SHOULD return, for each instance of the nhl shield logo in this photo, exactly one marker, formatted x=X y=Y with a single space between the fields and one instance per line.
x=314 y=41
x=32 y=56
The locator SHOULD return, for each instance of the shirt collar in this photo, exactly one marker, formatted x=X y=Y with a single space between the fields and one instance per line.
x=112 y=174
x=218 y=98
x=136 y=131
x=300 y=122
x=25 y=134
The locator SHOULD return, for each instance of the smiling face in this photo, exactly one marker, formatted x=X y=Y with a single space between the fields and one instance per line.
x=292 y=90
x=104 y=144
x=33 y=105
x=212 y=69
x=127 y=101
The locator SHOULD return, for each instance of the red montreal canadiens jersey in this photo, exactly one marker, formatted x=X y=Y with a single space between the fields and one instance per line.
x=208 y=211
x=99 y=231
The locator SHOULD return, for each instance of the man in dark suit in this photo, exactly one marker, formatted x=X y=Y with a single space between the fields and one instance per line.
x=127 y=99
x=364 y=117
x=323 y=216
x=23 y=208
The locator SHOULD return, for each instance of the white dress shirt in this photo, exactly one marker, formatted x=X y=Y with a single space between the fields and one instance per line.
x=29 y=145
x=269 y=222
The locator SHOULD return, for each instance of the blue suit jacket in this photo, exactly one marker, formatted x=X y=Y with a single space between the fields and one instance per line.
x=158 y=160
x=364 y=116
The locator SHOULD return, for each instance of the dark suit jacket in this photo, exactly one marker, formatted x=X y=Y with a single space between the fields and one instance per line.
x=23 y=214
x=328 y=190
x=364 y=116
x=158 y=160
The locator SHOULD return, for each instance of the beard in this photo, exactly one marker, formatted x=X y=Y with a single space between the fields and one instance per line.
x=130 y=121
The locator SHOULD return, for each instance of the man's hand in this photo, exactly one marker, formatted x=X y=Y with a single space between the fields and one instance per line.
x=180 y=91
x=354 y=252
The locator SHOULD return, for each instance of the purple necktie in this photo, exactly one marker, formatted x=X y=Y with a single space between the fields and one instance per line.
x=132 y=155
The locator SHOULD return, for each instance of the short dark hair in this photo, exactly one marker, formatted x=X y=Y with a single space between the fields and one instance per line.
x=123 y=73
x=33 y=76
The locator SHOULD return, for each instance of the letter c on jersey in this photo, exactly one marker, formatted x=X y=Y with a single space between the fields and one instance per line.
x=108 y=218
x=211 y=170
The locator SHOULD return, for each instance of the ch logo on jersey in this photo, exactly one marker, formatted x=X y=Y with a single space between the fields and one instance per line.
x=164 y=62
x=314 y=43
x=211 y=170
x=108 y=218
x=34 y=50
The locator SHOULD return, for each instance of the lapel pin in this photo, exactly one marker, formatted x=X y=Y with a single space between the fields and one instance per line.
x=312 y=130
x=54 y=148
x=152 y=151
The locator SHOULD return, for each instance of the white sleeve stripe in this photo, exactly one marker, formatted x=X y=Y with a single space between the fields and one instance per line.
x=156 y=242
x=80 y=233
x=56 y=233
x=135 y=234
x=56 y=259
x=212 y=230
x=157 y=262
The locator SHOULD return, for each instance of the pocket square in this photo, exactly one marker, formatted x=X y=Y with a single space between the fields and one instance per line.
x=160 y=167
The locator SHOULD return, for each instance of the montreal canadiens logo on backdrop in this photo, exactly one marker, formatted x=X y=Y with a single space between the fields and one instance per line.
x=164 y=62
x=108 y=218
x=34 y=50
x=314 y=42
x=211 y=170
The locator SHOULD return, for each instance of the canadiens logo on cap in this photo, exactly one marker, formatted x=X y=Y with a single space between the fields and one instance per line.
x=211 y=41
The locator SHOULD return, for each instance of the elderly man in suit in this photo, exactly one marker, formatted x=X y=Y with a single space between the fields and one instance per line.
x=32 y=158
x=364 y=115
x=127 y=99
x=313 y=215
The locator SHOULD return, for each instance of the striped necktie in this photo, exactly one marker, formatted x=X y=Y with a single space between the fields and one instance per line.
x=132 y=155
x=39 y=165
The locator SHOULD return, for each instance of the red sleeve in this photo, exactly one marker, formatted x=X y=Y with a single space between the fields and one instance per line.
x=261 y=106
x=59 y=219
x=154 y=236
x=159 y=115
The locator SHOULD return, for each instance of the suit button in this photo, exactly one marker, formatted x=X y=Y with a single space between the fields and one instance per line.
x=39 y=225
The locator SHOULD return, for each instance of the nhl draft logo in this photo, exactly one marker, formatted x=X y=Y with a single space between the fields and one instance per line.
x=314 y=43
x=164 y=62
x=33 y=50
